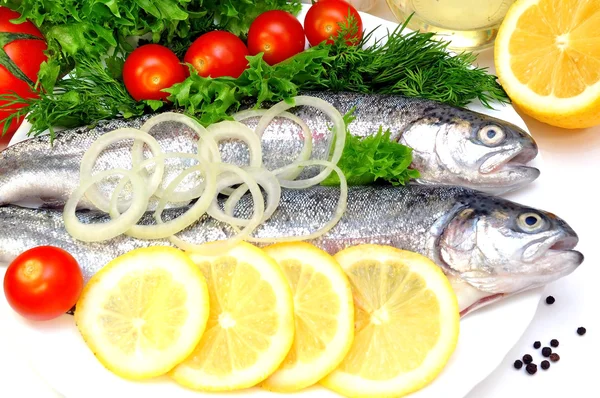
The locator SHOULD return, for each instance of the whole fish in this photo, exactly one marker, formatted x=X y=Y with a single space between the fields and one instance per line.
x=489 y=247
x=451 y=146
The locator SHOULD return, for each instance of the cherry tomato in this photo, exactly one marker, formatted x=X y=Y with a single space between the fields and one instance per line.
x=149 y=69
x=323 y=19
x=277 y=34
x=26 y=55
x=217 y=54
x=43 y=283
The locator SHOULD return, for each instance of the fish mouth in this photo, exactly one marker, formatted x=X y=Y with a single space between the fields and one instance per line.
x=559 y=257
x=507 y=158
x=510 y=167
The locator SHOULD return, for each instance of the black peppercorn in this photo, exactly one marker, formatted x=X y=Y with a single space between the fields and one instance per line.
x=531 y=368
x=550 y=300
x=554 y=343
x=554 y=357
x=527 y=359
x=518 y=364
x=537 y=345
x=545 y=365
x=581 y=331
x=546 y=351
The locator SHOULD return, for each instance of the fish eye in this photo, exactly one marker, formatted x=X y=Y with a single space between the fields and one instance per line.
x=491 y=135
x=530 y=222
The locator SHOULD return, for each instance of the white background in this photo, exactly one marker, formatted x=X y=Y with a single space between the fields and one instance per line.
x=571 y=173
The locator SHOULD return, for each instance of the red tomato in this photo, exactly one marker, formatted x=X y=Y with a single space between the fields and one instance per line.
x=217 y=54
x=43 y=283
x=277 y=34
x=149 y=69
x=323 y=19
x=26 y=55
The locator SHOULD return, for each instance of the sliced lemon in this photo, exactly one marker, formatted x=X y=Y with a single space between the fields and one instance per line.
x=251 y=325
x=144 y=312
x=547 y=57
x=406 y=323
x=324 y=315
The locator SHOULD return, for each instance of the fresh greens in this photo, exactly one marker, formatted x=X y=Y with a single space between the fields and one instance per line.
x=78 y=29
x=376 y=158
x=90 y=94
x=411 y=64
x=212 y=100
x=79 y=34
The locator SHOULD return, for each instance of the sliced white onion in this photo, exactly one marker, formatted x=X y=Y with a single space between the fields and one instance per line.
x=181 y=196
x=90 y=156
x=227 y=130
x=173 y=117
x=176 y=197
x=137 y=150
x=264 y=178
x=166 y=229
x=217 y=177
x=339 y=135
x=338 y=213
x=253 y=222
x=114 y=227
x=306 y=148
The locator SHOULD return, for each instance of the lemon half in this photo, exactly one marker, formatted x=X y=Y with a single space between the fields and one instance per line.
x=547 y=57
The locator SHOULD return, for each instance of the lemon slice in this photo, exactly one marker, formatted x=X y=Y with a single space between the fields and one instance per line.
x=406 y=323
x=547 y=57
x=324 y=315
x=144 y=312
x=251 y=325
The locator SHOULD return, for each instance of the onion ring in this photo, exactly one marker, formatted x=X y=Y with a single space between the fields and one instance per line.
x=339 y=135
x=306 y=148
x=114 y=227
x=90 y=156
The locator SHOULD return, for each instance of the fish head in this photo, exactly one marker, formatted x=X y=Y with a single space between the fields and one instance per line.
x=500 y=248
x=460 y=147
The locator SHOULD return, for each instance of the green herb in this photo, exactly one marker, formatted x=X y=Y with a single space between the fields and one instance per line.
x=76 y=29
x=411 y=64
x=213 y=100
x=89 y=95
x=371 y=159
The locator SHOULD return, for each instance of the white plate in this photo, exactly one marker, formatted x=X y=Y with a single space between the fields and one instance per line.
x=58 y=354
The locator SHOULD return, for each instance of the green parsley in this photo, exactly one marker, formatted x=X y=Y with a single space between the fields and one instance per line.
x=372 y=159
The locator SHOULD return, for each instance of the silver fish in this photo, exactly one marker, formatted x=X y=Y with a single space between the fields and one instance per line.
x=489 y=247
x=452 y=146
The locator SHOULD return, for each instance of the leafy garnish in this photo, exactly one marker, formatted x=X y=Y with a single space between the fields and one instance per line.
x=375 y=158
x=89 y=95
x=412 y=64
x=213 y=100
x=76 y=29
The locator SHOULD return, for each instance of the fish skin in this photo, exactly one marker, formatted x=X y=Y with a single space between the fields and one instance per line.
x=446 y=148
x=478 y=240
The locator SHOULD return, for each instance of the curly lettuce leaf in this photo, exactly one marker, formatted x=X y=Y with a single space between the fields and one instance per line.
x=212 y=100
x=372 y=159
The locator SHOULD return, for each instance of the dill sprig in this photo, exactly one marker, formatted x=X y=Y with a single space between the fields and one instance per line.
x=412 y=64
x=89 y=94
